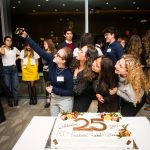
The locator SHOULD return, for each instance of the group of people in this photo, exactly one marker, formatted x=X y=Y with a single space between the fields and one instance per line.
x=74 y=76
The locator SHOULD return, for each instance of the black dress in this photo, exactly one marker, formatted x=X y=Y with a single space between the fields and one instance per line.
x=111 y=102
x=83 y=93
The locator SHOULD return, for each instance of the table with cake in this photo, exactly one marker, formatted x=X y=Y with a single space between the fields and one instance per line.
x=87 y=131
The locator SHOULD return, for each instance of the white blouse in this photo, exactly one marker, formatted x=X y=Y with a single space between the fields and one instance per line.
x=9 y=58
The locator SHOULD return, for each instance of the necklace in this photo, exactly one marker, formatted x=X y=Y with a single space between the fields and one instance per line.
x=59 y=71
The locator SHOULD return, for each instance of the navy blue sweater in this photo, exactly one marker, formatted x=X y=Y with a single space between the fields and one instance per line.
x=114 y=51
x=63 y=88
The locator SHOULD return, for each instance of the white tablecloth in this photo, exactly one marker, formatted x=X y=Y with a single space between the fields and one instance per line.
x=37 y=133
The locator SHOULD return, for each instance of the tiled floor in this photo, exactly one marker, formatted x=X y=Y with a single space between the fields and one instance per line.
x=17 y=120
x=19 y=117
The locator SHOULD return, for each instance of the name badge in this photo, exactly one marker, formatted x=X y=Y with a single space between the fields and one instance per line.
x=108 y=50
x=60 y=78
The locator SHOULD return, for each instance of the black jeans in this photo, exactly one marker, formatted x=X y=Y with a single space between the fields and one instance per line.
x=128 y=109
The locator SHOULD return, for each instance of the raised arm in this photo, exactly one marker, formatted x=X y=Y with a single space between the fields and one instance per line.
x=34 y=45
x=2 y=50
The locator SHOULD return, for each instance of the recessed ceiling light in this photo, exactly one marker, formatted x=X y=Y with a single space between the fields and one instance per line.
x=14 y=7
x=134 y=3
x=55 y=10
x=144 y=21
x=46 y=0
x=19 y=2
x=137 y=8
x=39 y=5
x=115 y=8
x=63 y=4
x=107 y=3
x=77 y=9
x=60 y=19
x=33 y=10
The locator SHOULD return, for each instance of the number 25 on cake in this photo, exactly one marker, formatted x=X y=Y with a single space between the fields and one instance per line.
x=91 y=131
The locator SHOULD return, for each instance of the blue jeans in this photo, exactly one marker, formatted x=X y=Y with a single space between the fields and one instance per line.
x=11 y=80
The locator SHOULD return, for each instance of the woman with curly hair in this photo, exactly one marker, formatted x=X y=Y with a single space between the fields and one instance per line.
x=134 y=46
x=132 y=84
x=83 y=76
x=146 y=44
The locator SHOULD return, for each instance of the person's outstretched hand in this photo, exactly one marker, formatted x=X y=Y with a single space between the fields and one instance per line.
x=21 y=32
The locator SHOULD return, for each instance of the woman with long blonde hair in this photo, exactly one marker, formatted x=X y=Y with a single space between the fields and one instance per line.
x=132 y=84
x=29 y=65
x=134 y=46
x=146 y=44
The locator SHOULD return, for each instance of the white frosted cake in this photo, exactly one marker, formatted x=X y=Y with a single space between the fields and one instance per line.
x=91 y=131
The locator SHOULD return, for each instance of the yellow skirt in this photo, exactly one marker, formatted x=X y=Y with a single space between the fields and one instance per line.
x=30 y=73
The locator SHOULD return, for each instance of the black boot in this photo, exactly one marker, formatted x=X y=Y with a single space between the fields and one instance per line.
x=10 y=104
x=2 y=116
x=30 y=94
x=34 y=95
x=46 y=105
x=15 y=102
x=31 y=101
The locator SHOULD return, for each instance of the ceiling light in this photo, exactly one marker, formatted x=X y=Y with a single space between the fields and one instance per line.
x=55 y=10
x=39 y=5
x=107 y=3
x=33 y=10
x=115 y=8
x=77 y=9
x=134 y=3
x=143 y=21
x=19 y=2
x=137 y=8
x=14 y=7
x=63 y=4
x=46 y=0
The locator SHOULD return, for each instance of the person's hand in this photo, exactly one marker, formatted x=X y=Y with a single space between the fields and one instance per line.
x=113 y=91
x=49 y=89
x=2 y=50
x=100 y=98
x=21 y=32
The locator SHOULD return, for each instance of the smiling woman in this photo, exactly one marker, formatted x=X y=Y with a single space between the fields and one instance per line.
x=132 y=84
x=60 y=77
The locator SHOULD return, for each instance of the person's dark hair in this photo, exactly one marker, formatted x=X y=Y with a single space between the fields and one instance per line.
x=111 y=30
x=66 y=30
x=91 y=55
x=85 y=39
x=107 y=77
x=68 y=56
x=8 y=37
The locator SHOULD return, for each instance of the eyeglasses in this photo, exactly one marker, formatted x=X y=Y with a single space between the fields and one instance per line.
x=58 y=55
